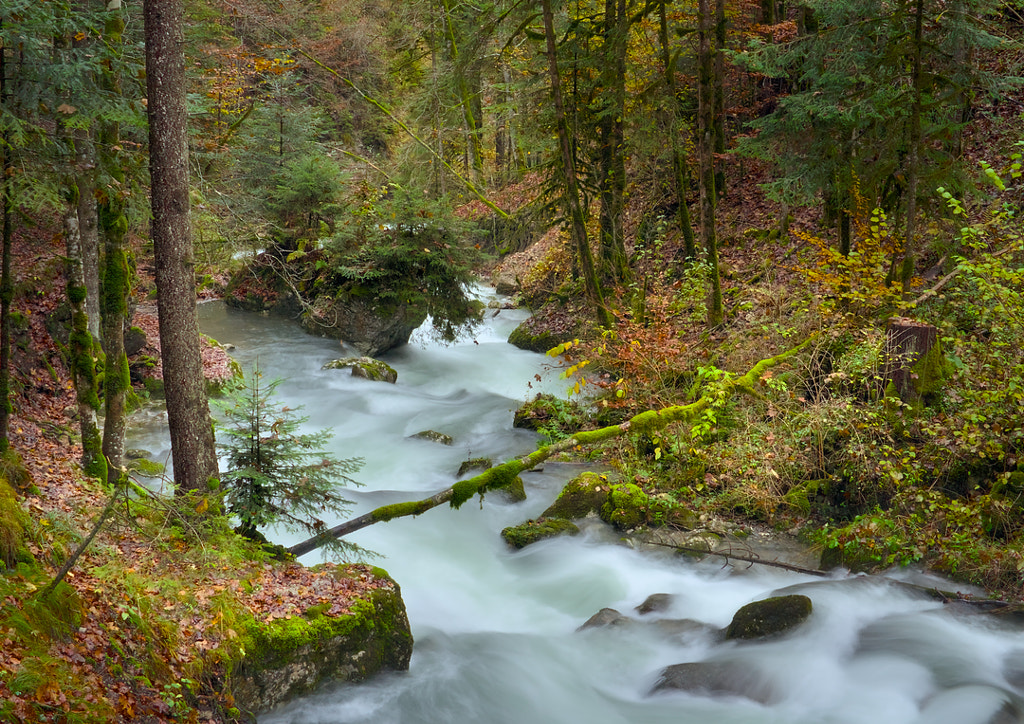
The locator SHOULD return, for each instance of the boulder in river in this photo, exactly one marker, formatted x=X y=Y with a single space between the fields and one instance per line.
x=769 y=618
x=723 y=678
x=367 y=326
x=581 y=496
x=365 y=367
x=433 y=436
x=286 y=658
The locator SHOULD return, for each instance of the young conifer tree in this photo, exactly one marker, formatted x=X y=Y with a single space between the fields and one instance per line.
x=276 y=475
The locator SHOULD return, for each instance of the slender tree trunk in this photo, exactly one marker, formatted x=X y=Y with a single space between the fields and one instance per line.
x=6 y=276
x=705 y=145
x=719 y=95
x=612 y=164
x=88 y=227
x=116 y=275
x=577 y=220
x=913 y=157
x=680 y=164
x=188 y=413
x=474 y=145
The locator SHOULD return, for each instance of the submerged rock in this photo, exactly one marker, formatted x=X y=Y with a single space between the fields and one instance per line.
x=365 y=367
x=472 y=464
x=606 y=617
x=728 y=678
x=770 y=617
x=281 y=660
x=433 y=436
x=655 y=603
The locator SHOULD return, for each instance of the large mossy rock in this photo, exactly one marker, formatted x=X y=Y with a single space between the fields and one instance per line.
x=365 y=367
x=14 y=523
x=536 y=340
x=581 y=496
x=369 y=327
x=524 y=534
x=286 y=658
x=769 y=618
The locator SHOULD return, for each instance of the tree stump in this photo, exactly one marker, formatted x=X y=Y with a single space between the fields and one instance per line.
x=915 y=366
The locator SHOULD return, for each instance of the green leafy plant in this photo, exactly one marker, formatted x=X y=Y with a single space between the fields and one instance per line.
x=275 y=474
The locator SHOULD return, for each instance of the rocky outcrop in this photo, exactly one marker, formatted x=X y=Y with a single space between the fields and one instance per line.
x=286 y=658
x=369 y=327
x=365 y=367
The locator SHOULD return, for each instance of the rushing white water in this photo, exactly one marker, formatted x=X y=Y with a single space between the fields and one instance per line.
x=495 y=631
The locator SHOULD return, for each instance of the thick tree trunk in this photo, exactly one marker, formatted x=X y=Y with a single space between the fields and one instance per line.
x=914 y=364
x=612 y=164
x=188 y=413
x=707 y=162
x=577 y=220
x=680 y=165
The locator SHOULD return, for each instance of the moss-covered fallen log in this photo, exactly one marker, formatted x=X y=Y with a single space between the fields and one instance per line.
x=502 y=475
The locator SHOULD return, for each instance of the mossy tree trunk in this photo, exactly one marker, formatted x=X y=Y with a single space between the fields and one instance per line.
x=571 y=195
x=505 y=474
x=705 y=145
x=914 y=152
x=680 y=164
x=188 y=413
x=6 y=275
x=116 y=277
x=719 y=96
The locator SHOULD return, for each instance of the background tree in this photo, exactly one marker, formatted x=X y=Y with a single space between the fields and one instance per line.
x=188 y=415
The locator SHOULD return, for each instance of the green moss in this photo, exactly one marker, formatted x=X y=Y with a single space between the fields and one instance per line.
x=626 y=506
x=582 y=495
x=523 y=338
x=146 y=467
x=475 y=464
x=770 y=617
x=531 y=531
x=14 y=523
x=76 y=294
x=499 y=477
x=400 y=510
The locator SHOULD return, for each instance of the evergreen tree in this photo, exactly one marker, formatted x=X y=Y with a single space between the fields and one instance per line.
x=277 y=475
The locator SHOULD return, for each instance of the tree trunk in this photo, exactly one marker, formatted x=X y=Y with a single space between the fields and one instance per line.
x=116 y=279
x=188 y=413
x=914 y=364
x=719 y=94
x=680 y=165
x=612 y=164
x=577 y=220
x=705 y=145
x=913 y=156
x=6 y=277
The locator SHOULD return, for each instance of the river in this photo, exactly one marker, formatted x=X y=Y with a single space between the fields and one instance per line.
x=496 y=637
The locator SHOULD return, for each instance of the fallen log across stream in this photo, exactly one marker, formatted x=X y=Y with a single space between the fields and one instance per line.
x=502 y=475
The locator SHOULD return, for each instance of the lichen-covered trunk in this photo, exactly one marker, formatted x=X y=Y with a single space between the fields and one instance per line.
x=577 y=220
x=81 y=343
x=705 y=145
x=188 y=413
x=680 y=164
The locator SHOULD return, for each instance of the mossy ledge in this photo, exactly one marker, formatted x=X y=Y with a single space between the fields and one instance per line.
x=277 y=661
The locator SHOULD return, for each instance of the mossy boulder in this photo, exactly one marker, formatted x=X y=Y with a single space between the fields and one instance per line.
x=365 y=367
x=584 y=494
x=14 y=524
x=514 y=492
x=769 y=618
x=626 y=506
x=277 y=661
x=520 y=536
x=536 y=340
x=433 y=436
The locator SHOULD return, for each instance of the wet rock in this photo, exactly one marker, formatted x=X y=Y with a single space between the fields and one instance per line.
x=770 y=617
x=365 y=367
x=524 y=337
x=370 y=328
x=972 y=704
x=655 y=603
x=433 y=436
x=474 y=464
x=581 y=496
x=716 y=678
x=606 y=617
x=520 y=536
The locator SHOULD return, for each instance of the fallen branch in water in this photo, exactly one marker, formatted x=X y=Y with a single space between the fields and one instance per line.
x=730 y=556
x=502 y=475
